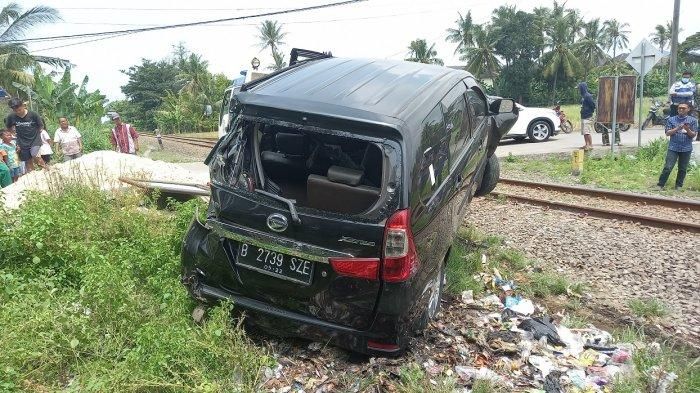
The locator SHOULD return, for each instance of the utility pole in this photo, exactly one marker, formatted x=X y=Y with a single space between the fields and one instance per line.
x=674 y=43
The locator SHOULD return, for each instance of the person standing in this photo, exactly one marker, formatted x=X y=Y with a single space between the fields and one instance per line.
x=124 y=137
x=682 y=129
x=587 y=110
x=682 y=92
x=159 y=137
x=28 y=126
x=68 y=140
x=45 y=151
x=9 y=146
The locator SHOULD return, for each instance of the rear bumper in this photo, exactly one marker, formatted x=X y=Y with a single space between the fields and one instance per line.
x=289 y=324
x=203 y=267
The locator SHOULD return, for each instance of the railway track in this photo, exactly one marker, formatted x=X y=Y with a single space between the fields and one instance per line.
x=201 y=142
x=662 y=212
x=655 y=211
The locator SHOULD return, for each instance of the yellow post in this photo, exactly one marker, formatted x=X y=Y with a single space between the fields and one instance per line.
x=577 y=162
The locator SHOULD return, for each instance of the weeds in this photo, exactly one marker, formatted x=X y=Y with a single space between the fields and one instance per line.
x=413 y=379
x=92 y=302
x=638 y=170
x=647 y=308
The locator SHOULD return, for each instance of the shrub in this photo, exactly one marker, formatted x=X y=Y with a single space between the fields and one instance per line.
x=92 y=301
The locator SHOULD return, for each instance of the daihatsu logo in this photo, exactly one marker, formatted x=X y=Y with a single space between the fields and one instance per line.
x=277 y=222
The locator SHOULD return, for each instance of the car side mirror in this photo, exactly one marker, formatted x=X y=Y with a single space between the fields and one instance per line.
x=503 y=105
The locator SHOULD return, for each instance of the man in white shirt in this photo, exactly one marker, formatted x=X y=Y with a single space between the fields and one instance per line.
x=68 y=140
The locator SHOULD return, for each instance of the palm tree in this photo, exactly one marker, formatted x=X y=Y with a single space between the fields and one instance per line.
x=270 y=34
x=481 y=58
x=662 y=35
x=560 y=60
x=278 y=58
x=419 y=52
x=590 y=47
x=616 y=35
x=15 y=60
x=462 y=35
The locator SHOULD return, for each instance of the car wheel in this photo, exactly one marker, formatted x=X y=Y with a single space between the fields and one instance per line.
x=492 y=173
x=624 y=126
x=539 y=131
x=433 y=307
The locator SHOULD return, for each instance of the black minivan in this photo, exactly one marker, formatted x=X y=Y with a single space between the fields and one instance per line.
x=336 y=194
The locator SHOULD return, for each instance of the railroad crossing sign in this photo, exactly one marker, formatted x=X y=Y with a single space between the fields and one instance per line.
x=644 y=57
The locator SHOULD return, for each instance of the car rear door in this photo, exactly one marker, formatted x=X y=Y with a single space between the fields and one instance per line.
x=289 y=263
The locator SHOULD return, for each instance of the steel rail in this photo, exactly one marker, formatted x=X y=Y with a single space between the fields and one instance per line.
x=190 y=141
x=616 y=195
x=605 y=213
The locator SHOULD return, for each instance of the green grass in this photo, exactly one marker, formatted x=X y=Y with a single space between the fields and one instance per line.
x=573 y=111
x=669 y=358
x=635 y=171
x=647 y=308
x=91 y=301
x=465 y=263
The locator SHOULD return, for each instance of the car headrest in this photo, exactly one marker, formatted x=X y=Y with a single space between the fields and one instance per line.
x=338 y=174
x=291 y=144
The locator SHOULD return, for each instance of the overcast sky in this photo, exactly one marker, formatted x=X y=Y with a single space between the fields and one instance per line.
x=374 y=28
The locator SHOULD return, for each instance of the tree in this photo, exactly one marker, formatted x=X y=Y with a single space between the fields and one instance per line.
x=420 y=52
x=589 y=48
x=63 y=98
x=148 y=83
x=481 y=59
x=662 y=35
x=560 y=60
x=270 y=35
x=690 y=48
x=462 y=35
x=15 y=59
x=515 y=42
x=278 y=58
x=616 y=35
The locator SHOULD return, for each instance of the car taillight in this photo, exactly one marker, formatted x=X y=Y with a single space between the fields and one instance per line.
x=400 y=260
x=356 y=267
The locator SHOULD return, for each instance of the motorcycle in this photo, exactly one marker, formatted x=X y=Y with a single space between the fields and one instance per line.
x=602 y=128
x=566 y=125
x=658 y=115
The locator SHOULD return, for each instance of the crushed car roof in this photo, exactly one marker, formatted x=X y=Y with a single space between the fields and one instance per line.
x=357 y=88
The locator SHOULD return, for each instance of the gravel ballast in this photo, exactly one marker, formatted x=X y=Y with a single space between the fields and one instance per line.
x=619 y=260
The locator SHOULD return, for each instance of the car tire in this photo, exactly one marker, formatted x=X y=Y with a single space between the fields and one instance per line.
x=492 y=173
x=539 y=131
x=625 y=126
x=433 y=306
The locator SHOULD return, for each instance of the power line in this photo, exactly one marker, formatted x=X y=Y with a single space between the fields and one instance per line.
x=164 y=9
x=199 y=23
x=255 y=24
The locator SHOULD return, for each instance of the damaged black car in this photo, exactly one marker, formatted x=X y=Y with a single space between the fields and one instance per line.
x=336 y=193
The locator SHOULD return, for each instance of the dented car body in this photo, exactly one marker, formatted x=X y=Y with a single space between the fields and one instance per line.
x=335 y=196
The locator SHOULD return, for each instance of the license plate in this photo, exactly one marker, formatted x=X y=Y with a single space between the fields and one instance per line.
x=275 y=264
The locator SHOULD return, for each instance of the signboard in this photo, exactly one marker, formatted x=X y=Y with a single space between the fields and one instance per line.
x=647 y=52
x=626 y=93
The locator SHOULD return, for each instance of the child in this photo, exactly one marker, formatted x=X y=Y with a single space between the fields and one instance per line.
x=5 y=178
x=9 y=146
x=45 y=150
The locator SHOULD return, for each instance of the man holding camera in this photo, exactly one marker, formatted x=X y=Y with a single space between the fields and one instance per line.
x=682 y=129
